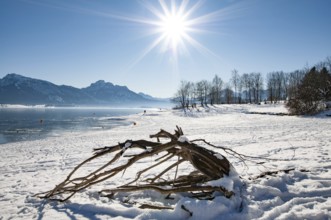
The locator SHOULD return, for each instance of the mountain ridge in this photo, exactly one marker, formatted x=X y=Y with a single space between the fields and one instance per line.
x=19 y=89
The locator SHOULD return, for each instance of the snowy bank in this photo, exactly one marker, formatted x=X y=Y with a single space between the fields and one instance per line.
x=302 y=143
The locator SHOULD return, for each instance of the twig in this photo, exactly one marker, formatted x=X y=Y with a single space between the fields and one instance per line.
x=240 y=156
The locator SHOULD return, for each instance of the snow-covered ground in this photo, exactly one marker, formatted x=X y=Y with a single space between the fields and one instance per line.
x=296 y=142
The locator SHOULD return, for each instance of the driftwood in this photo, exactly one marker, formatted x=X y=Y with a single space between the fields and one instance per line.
x=207 y=165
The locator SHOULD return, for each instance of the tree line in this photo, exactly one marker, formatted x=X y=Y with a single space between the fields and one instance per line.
x=253 y=88
x=246 y=88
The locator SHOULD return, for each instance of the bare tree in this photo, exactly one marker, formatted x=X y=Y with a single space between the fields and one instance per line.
x=235 y=80
x=228 y=94
x=278 y=84
x=275 y=86
x=240 y=89
x=217 y=85
x=258 y=86
x=199 y=86
x=286 y=84
x=324 y=64
x=191 y=94
x=271 y=87
x=206 y=89
x=251 y=88
x=183 y=93
x=246 y=85
x=295 y=79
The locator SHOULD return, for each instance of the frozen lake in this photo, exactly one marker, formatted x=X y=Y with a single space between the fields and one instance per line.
x=20 y=124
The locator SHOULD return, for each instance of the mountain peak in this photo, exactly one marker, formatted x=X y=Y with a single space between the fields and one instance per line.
x=13 y=75
x=101 y=84
x=13 y=78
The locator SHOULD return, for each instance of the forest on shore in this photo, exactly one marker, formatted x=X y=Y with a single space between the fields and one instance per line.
x=305 y=91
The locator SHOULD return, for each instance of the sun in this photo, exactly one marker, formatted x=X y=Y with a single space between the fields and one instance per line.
x=174 y=28
x=175 y=25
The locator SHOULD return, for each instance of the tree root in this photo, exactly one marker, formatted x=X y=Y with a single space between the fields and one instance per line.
x=207 y=165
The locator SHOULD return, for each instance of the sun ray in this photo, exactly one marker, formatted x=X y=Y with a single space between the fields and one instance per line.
x=164 y=8
x=219 y=15
x=200 y=48
x=194 y=8
x=147 y=50
x=182 y=8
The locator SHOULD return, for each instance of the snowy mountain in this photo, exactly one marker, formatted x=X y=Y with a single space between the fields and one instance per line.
x=17 y=89
x=106 y=92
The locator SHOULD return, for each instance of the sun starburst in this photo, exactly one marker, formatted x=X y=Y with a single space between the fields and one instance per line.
x=174 y=24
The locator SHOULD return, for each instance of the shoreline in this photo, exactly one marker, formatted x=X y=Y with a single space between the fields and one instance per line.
x=43 y=106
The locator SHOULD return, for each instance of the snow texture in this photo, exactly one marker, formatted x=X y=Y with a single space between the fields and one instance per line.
x=299 y=142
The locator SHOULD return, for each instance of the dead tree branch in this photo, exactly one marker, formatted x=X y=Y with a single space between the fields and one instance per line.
x=206 y=165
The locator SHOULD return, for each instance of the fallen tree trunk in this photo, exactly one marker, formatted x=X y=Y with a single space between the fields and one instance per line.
x=207 y=165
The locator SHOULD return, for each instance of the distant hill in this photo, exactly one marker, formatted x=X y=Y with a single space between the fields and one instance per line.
x=153 y=98
x=108 y=93
x=18 y=89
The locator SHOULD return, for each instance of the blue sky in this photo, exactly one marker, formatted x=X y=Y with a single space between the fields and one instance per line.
x=79 y=42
